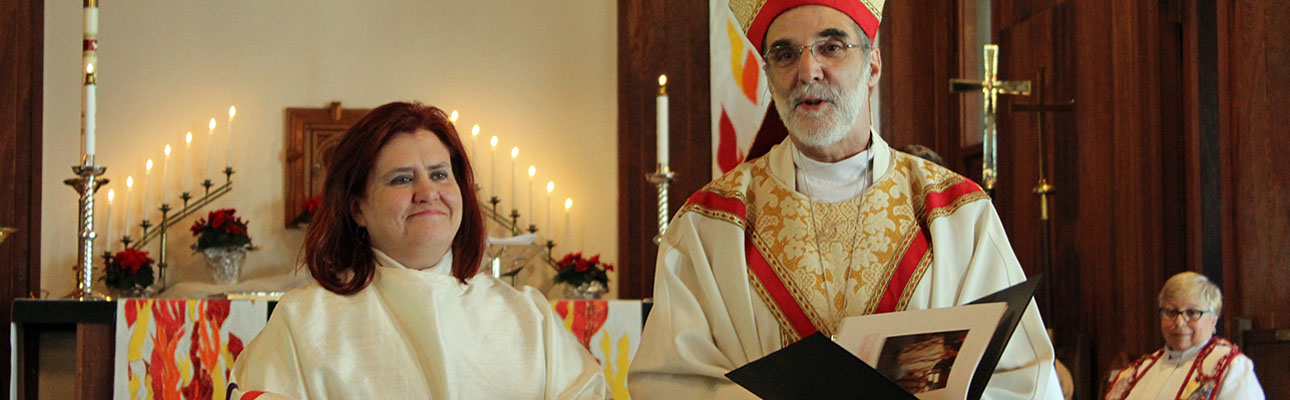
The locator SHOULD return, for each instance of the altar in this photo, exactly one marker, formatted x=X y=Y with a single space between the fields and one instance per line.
x=171 y=349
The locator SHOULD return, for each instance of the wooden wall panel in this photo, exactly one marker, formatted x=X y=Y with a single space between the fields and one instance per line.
x=21 y=89
x=918 y=60
x=657 y=37
x=1259 y=131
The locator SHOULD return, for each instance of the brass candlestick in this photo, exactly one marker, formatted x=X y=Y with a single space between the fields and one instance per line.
x=86 y=183
x=661 y=178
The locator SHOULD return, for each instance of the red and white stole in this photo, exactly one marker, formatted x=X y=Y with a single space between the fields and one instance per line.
x=1203 y=378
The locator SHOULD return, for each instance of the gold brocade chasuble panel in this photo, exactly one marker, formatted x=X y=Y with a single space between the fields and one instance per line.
x=816 y=263
x=838 y=256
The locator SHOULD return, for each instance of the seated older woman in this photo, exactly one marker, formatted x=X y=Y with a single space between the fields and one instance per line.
x=397 y=310
x=1194 y=363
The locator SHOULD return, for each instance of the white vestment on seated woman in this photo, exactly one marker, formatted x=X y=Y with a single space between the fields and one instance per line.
x=418 y=334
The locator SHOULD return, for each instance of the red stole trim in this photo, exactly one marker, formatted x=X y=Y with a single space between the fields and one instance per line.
x=777 y=291
x=900 y=282
x=719 y=202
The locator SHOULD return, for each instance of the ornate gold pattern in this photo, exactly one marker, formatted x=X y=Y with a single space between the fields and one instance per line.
x=857 y=265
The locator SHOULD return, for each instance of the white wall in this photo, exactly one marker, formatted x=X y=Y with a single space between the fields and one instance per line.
x=541 y=75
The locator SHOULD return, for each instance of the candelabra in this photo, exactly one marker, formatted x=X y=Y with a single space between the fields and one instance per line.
x=661 y=178
x=168 y=220
x=86 y=183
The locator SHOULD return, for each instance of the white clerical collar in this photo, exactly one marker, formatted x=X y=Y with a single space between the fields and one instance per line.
x=1181 y=356
x=444 y=267
x=836 y=181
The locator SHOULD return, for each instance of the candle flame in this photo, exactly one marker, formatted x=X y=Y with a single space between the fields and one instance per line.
x=550 y=187
x=568 y=203
x=532 y=171
x=231 y=112
x=89 y=68
x=662 y=80
x=212 y=124
x=166 y=150
x=148 y=165
x=188 y=138
x=515 y=152
x=453 y=117
x=129 y=182
x=493 y=142
x=474 y=131
x=111 y=195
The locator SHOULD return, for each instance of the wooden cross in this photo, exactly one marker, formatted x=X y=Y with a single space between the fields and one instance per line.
x=1043 y=188
x=990 y=87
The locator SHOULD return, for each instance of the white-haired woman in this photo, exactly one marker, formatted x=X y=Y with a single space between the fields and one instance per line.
x=1194 y=364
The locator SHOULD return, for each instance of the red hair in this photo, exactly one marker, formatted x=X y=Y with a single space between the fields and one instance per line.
x=337 y=250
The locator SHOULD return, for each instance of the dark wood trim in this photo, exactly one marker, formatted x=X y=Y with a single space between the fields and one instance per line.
x=656 y=37
x=22 y=29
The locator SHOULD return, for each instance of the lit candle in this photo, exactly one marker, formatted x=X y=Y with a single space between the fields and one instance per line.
x=90 y=106
x=210 y=147
x=107 y=221
x=568 y=204
x=125 y=222
x=165 y=176
x=550 y=187
x=474 y=140
x=492 y=167
x=188 y=161
x=661 y=124
x=147 y=172
x=515 y=153
x=89 y=57
x=453 y=117
x=532 y=217
x=228 y=160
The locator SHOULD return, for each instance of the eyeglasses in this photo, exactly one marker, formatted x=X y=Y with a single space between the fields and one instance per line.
x=1170 y=314
x=827 y=51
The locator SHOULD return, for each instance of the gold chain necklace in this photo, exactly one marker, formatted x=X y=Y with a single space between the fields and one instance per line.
x=818 y=230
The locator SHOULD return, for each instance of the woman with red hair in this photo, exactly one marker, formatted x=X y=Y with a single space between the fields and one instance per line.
x=397 y=309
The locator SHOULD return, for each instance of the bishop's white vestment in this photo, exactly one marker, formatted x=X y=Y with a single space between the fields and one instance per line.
x=418 y=334
x=750 y=265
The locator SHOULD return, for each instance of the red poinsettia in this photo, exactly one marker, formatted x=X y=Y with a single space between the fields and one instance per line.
x=575 y=270
x=221 y=228
x=129 y=269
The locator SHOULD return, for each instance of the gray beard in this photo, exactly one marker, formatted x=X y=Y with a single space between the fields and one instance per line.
x=823 y=127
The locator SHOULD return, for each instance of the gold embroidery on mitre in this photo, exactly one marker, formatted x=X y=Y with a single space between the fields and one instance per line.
x=745 y=11
x=875 y=7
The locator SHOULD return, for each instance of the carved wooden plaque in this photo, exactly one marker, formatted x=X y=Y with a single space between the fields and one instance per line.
x=311 y=133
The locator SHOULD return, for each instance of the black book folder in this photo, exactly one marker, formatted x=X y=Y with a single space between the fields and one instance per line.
x=817 y=368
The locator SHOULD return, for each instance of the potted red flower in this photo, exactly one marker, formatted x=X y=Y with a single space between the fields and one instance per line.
x=585 y=278
x=223 y=239
x=129 y=272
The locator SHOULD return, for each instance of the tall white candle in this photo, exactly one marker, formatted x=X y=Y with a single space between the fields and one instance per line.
x=492 y=167
x=125 y=222
x=550 y=187
x=474 y=140
x=107 y=221
x=188 y=162
x=165 y=176
x=661 y=124
x=228 y=159
x=90 y=109
x=210 y=148
x=515 y=153
x=89 y=57
x=568 y=204
x=532 y=217
x=147 y=172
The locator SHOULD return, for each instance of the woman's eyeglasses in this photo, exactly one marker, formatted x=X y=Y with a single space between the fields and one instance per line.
x=1170 y=314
